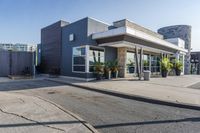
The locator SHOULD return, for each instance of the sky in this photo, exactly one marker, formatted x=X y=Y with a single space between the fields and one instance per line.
x=21 y=20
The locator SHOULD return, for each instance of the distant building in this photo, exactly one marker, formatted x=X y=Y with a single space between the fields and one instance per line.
x=18 y=47
x=6 y=46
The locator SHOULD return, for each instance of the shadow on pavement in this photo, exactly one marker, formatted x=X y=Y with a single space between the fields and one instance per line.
x=29 y=84
x=195 y=119
x=40 y=123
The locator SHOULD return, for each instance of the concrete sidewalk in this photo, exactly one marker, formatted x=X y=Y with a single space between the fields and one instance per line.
x=172 y=89
x=20 y=113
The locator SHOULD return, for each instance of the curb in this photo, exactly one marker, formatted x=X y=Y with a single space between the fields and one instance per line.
x=87 y=125
x=133 y=97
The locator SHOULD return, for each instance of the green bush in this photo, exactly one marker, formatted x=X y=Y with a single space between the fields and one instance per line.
x=98 y=68
x=178 y=65
x=114 y=66
x=166 y=65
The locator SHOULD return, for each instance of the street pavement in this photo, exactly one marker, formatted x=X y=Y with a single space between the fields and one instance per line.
x=28 y=114
x=112 y=114
x=173 y=89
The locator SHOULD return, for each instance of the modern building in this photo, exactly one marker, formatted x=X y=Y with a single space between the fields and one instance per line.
x=74 y=47
x=51 y=45
x=18 y=47
x=195 y=66
x=183 y=32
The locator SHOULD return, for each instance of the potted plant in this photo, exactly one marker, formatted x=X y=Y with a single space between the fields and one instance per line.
x=178 y=66
x=107 y=70
x=130 y=66
x=98 y=70
x=165 y=66
x=114 y=69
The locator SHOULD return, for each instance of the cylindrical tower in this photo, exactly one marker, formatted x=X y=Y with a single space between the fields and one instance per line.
x=183 y=32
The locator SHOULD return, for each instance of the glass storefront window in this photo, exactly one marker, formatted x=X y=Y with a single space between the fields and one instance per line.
x=130 y=62
x=79 y=51
x=79 y=61
x=95 y=55
x=155 y=64
x=146 y=61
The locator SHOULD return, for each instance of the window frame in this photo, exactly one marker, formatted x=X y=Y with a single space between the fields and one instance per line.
x=85 y=56
x=95 y=47
x=134 y=60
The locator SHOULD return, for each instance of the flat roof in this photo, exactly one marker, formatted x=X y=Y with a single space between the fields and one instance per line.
x=137 y=34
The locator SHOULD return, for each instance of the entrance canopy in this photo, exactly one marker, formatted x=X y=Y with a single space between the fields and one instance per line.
x=129 y=37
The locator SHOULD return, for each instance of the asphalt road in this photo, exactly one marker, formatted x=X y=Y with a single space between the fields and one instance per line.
x=110 y=114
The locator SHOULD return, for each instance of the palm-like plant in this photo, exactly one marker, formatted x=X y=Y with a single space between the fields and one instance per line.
x=178 y=66
x=165 y=66
x=114 y=68
x=98 y=69
x=107 y=69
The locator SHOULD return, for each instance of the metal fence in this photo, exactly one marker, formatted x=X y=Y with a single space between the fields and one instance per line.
x=15 y=63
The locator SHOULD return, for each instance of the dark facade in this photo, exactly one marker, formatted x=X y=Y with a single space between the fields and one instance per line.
x=195 y=66
x=51 y=42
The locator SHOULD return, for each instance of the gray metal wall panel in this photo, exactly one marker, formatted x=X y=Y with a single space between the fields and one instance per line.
x=21 y=60
x=79 y=29
x=14 y=63
x=4 y=63
x=110 y=54
x=51 y=45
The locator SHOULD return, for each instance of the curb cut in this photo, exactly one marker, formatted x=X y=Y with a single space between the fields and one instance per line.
x=133 y=97
x=87 y=125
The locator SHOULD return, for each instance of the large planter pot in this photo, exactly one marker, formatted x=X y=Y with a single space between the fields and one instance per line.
x=115 y=74
x=108 y=75
x=178 y=72
x=131 y=69
x=98 y=76
x=164 y=74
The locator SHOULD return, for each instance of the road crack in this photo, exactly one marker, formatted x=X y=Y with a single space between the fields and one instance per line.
x=28 y=119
